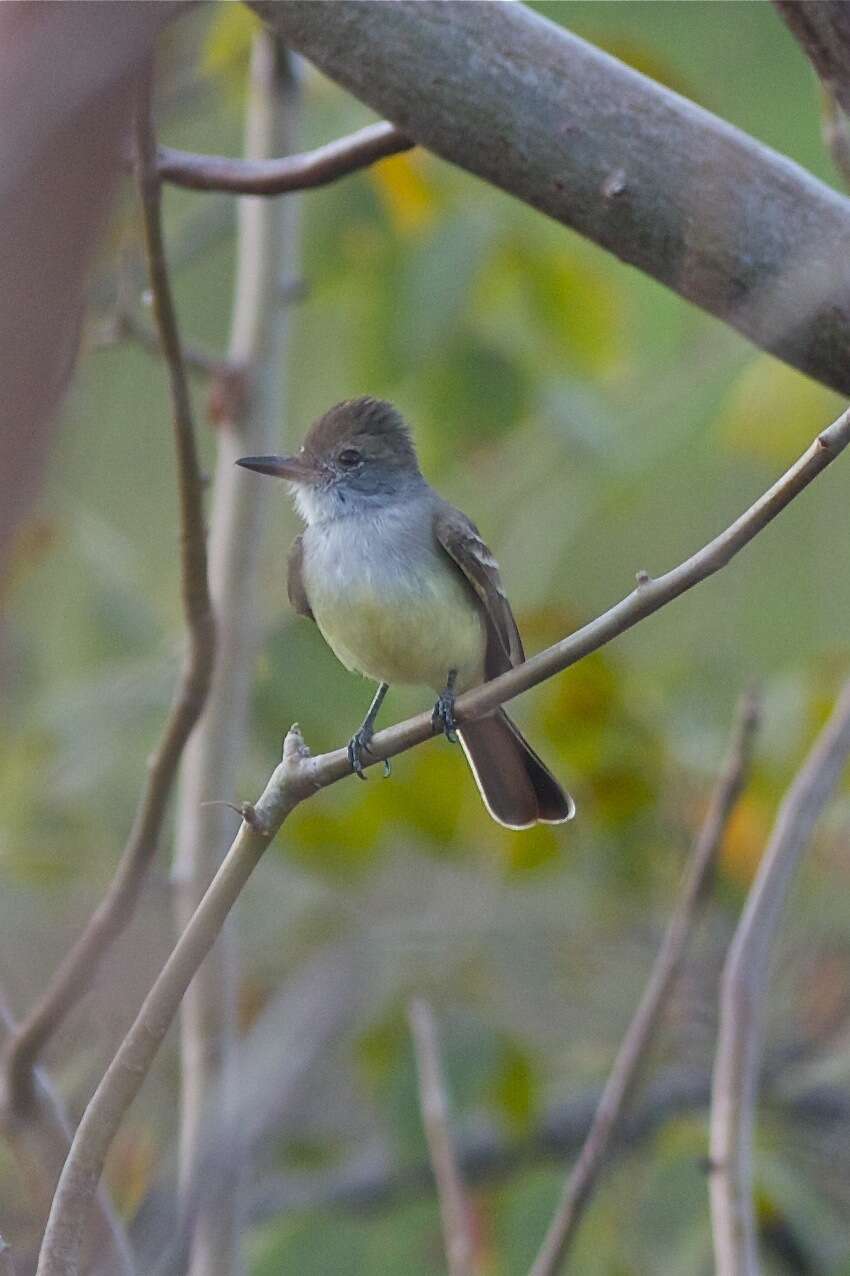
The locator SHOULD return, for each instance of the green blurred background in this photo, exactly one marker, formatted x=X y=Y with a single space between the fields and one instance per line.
x=593 y=424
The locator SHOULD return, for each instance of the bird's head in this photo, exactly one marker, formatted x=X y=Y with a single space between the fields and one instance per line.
x=358 y=454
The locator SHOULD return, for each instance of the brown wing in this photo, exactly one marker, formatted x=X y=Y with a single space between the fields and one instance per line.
x=459 y=537
x=295 y=580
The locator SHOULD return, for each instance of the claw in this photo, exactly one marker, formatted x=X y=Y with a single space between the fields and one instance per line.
x=443 y=716
x=357 y=746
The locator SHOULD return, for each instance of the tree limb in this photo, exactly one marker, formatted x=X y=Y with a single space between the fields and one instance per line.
x=626 y=1069
x=744 y=989
x=300 y=776
x=458 y=1239
x=729 y=224
x=279 y=176
x=75 y=971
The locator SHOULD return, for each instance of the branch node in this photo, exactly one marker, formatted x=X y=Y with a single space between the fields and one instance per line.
x=614 y=184
x=824 y=442
x=643 y=578
x=251 y=817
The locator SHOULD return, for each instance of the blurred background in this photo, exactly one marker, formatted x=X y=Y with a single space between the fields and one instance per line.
x=592 y=424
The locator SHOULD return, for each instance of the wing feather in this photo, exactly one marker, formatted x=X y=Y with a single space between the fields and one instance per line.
x=462 y=541
x=295 y=580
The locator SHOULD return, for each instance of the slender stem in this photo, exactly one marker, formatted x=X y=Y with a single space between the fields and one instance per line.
x=266 y=249
x=291 y=173
x=74 y=974
x=626 y=1069
x=744 y=990
x=455 y=1214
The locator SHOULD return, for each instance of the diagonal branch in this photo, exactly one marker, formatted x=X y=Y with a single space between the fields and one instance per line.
x=458 y=1239
x=74 y=974
x=511 y=97
x=279 y=176
x=744 y=991
x=300 y=777
x=625 y=1072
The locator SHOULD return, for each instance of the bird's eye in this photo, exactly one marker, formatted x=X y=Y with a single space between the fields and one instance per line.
x=349 y=456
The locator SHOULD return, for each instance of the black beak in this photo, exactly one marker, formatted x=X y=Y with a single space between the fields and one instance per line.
x=295 y=468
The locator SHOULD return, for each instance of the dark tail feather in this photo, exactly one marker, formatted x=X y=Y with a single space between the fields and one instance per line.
x=517 y=788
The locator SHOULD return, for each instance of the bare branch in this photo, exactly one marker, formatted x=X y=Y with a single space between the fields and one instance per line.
x=291 y=173
x=76 y=970
x=434 y=1105
x=649 y=596
x=655 y=179
x=300 y=776
x=744 y=990
x=290 y=783
x=266 y=248
x=625 y=1072
x=125 y=325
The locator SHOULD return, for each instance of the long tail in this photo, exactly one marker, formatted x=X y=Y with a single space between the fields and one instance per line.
x=518 y=789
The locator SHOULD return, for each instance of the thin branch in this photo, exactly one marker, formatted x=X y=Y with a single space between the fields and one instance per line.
x=74 y=974
x=291 y=173
x=125 y=325
x=649 y=596
x=266 y=248
x=744 y=993
x=626 y=1070
x=300 y=777
x=455 y=1216
x=290 y=783
x=823 y=30
x=663 y=184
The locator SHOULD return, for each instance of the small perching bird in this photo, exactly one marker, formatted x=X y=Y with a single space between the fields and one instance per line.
x=404 y=590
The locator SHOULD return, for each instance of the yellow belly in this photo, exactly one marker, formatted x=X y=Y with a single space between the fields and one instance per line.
x=412 y=636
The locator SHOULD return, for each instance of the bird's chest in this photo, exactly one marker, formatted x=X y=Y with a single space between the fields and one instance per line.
x=390 y=604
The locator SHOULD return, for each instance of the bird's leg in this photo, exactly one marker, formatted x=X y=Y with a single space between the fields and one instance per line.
x=443 y=716
x=359 y=742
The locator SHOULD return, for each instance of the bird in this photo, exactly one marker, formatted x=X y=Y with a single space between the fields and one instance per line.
x=404 y=590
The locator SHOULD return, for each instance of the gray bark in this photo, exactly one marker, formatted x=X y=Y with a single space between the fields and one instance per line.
x=726 y=222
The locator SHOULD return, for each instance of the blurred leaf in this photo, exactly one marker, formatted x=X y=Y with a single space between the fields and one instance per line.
x=403 y=185
x=772 y=412
x=226 y=51
x=746 y=838
x=515 y=1088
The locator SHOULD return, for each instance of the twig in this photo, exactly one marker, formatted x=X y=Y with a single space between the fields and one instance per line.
x=75 y=972
x=266 y=249
x=124 y=325
x=744 y=989
x=650 y=596
x=633 y=1050
x=290 y=783
x=835 y=130
x=433 y=1103
x=292 y=173
x=296 y=784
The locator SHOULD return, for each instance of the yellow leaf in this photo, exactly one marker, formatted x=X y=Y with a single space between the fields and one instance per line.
x=409 y=198
x=771 y=411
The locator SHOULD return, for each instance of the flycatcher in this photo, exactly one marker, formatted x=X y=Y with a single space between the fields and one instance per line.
x=404 y=589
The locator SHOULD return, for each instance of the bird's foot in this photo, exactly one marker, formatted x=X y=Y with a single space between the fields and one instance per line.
x=357 y=746
x=443 y=716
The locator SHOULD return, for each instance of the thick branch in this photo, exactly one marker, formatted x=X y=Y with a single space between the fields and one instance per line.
x=76 y=970
x=434 y=1106
x=729 y=224
x=291 y=173
x=300 y=777
x=744 y=992
x=639 y=1035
